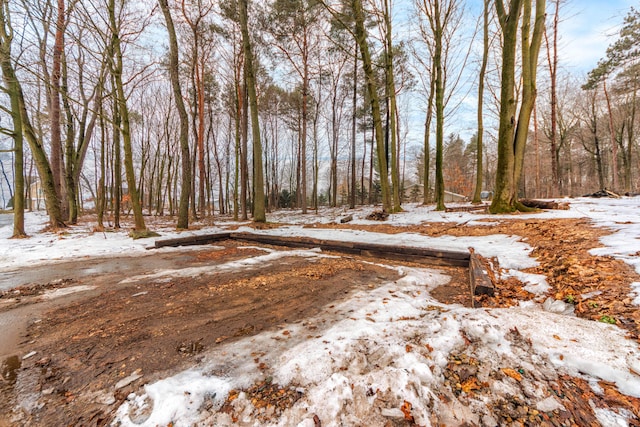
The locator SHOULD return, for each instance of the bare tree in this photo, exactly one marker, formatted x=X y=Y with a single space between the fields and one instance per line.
x=185 y=190
x=513 y=131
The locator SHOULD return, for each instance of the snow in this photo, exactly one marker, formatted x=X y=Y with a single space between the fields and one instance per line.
x=57 y=293
x=384 y=346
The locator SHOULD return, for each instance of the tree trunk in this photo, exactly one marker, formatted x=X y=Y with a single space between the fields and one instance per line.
x=612 y=137
x=12 y=89
x=57 y=164
x=185 y=189
x=512 y=132
x=124 y=114
x=361 y=37
x=480 y=135
x=427 y=138
x=391 y=90
x=258 y=175
x=305 y=119
x=552 y=59
x=117 y=159
x=352 y=200
x=439 y=73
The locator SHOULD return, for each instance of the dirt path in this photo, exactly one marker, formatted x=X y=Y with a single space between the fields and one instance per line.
x=90 y=349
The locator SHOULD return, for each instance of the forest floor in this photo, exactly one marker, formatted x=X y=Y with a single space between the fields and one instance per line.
x=93 y=336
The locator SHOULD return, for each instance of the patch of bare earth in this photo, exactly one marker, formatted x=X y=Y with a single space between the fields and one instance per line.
x=90 y=354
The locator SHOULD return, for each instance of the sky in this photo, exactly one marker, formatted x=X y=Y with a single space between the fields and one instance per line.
x=376 y=349
x=587 y=28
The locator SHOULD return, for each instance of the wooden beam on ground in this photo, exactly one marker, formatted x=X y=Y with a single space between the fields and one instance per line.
x=200 y=239
x=479 y=279
x=423 y=255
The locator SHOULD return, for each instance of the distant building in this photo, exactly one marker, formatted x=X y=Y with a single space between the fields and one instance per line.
x=35 y=202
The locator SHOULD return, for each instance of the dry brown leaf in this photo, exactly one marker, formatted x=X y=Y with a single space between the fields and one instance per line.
x=470 y=385
x=512 y=373
x=406 y=410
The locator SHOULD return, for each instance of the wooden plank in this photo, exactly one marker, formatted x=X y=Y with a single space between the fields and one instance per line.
x=399 y=253
x=410 y=250
x=200 y=239
x=427 y=260
x=479 y=279
x=434 y=256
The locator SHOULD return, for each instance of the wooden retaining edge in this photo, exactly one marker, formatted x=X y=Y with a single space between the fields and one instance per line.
x=479 y=280
x=425 y=255
x=430 y=256
x=201 y=239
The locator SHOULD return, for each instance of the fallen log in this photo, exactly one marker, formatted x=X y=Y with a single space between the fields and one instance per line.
x=346 y=219
x=544 y=204
x=603 y=193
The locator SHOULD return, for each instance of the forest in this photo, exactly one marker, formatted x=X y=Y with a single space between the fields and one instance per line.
x=198 y=108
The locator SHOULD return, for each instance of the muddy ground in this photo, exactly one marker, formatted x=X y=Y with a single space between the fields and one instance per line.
x=87 y=350
x=88 y=345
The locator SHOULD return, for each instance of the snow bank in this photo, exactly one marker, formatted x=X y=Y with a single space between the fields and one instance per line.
x=364 y=358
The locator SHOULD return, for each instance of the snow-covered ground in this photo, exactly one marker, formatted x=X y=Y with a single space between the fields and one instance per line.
x=367 y=356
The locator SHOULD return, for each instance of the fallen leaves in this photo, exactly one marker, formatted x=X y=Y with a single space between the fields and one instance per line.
x=470 y=385
x=406 y=410
x=267 y=398
x=512 y=373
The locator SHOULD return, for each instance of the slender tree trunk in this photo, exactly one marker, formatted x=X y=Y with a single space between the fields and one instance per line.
x=483 y=69
x=427 y=137
x=258 y=175
x=124 y=114
x=612 y=137
x=57 y=164
x=12 y=89
x=244 y=181
x=305 y=119
x=101 y=193
x=361 y=37
x=438 y=66
x=552 y=59
x=185 y=189
x=536 y=141
x=391 y=89
x=352 y=200
x=117 y=160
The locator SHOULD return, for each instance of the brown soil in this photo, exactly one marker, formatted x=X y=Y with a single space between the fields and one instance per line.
x=152 y=327
x=88 y=342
